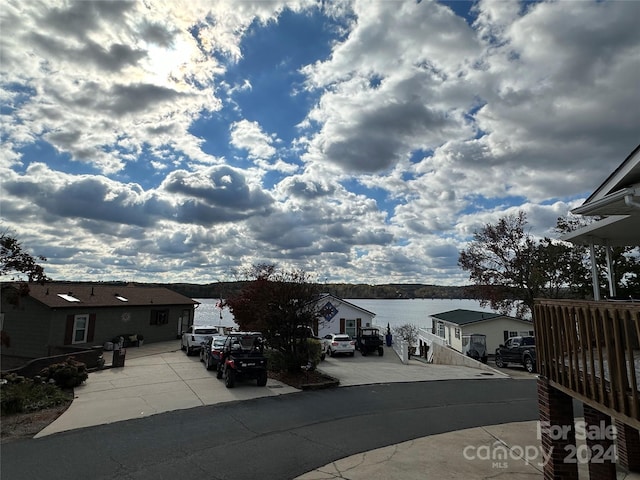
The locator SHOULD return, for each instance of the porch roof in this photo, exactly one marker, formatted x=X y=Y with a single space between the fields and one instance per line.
x=616 y=230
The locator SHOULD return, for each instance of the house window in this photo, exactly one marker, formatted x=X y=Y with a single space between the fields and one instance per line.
x=513 y=334
x=441 y=329
x=80 y=328
x=457 y=333
x=159 y=317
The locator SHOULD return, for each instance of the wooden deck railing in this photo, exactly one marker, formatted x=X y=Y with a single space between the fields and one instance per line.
x=591 y=350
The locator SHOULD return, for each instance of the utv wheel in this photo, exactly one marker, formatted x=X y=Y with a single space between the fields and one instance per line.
x=219 y=372
x=529 y=365
x=229 y=378
x=499 y=362
x=380 y=351
x=262 y=379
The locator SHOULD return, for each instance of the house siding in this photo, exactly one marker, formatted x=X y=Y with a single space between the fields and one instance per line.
x=27 y=325
x=494 y=330
x=35 y=328
x=338 y=322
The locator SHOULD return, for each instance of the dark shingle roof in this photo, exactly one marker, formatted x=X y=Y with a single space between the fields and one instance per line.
x=465 y=317
x=104 y=295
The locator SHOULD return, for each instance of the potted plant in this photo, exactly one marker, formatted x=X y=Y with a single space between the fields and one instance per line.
x=409 y=333
x=388 y=337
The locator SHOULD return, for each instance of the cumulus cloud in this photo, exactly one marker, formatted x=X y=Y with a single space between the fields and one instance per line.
x=140 y=127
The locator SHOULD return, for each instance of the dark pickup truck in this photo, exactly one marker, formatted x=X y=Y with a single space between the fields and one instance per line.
x=243 y=357
x=519 y=350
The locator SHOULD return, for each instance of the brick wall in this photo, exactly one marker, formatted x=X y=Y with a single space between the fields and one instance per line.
x=557 y=431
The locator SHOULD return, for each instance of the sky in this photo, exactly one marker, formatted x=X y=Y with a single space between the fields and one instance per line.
x=360 y=141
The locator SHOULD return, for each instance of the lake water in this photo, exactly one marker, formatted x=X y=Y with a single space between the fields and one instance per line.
x=394 y=312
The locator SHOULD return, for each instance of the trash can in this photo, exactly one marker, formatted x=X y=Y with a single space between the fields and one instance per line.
x=118 y=357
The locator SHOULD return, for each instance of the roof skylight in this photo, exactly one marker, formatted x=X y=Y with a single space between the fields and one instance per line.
x=68 y=297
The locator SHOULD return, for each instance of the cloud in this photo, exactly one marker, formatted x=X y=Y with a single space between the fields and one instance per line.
x=141 y=128
x=248 y=135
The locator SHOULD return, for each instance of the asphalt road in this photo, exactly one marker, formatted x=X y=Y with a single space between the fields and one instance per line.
x=276 y=438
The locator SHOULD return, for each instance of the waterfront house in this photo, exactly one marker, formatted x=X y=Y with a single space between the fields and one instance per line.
x=339 y=316
x=38 y=320
x=589 y=351
x=452 y=325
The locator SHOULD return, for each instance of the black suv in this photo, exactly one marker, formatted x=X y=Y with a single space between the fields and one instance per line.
x=243 y=357
x=369 y=340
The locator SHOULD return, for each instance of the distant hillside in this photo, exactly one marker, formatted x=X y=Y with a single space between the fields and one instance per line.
x=342 y=290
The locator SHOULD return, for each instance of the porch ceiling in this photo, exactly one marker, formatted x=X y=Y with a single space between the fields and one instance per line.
x=616 y=230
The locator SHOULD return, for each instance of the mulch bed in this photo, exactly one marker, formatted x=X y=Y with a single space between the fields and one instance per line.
x=312 y=380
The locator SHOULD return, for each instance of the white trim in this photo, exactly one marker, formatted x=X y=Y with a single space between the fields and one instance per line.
x=76 y=319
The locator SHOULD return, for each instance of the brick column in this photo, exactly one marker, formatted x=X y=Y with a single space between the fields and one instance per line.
x=628 y=443
x=557 y=431
x=602 y=460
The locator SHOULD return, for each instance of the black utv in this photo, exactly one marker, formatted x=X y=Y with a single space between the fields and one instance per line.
x=369 y=340
x=243 y=357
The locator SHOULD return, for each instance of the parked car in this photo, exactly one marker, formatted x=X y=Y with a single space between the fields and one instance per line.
x=519 y=350
x=243 y=357
x=340 y=343
x=193 y=338
x=369 y=340
x=211 y=351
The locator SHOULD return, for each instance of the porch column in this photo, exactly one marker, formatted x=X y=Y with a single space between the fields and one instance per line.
x=602 y=457
x=557 y=431
x=628 y=446
x=594 y=272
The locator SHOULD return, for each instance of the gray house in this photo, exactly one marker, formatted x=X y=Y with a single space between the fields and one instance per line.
x=39 y=319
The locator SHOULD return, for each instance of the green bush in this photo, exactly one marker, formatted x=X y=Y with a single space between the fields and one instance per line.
x=308 y=350
x=276 y=360
x=68 y=374
x=28 y=396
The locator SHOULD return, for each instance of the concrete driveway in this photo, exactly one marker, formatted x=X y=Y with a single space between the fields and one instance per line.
x=160 y=378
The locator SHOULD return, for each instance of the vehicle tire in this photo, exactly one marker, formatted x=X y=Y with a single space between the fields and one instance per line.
x=189 y=351
x=323 y=356
x=331 y=354
x=380 y=351
x=208 y=365
x=229 y=377
x=499 y=362
x=219 y=372
x=529 y=364
x=262 y=379
x=182 y=346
